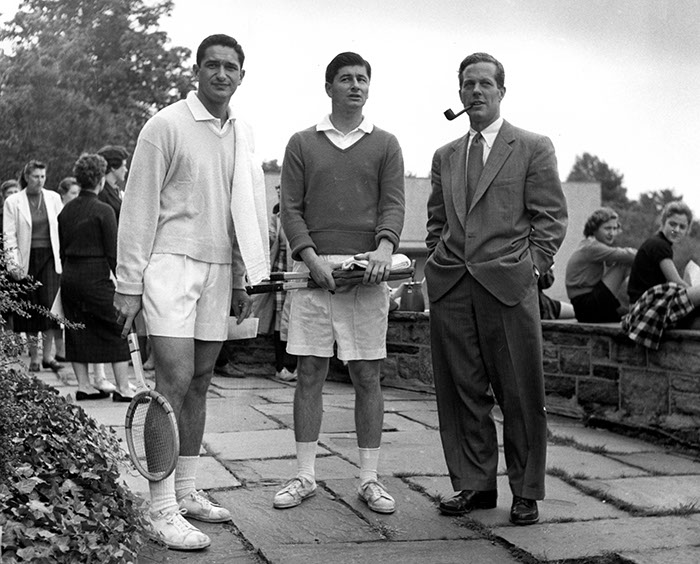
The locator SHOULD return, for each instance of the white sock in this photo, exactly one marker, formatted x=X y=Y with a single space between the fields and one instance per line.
x=185 y=473
x=306 y=460
x=369 y=461
x=163 y=495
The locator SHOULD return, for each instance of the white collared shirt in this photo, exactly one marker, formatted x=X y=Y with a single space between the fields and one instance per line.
x=340 y=139
x=200 y=113
x=489 y=134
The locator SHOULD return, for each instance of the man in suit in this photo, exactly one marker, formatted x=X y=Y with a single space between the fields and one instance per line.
x=496 y=217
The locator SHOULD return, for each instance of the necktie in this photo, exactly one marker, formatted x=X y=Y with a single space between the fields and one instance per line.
x=475 y=164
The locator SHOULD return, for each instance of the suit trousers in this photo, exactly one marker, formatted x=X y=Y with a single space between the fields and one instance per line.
x=482 y=348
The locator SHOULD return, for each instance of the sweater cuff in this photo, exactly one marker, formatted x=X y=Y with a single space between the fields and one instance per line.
x=130 y=288
x=390 y=236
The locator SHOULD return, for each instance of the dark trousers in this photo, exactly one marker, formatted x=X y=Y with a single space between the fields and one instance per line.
x=481 y=349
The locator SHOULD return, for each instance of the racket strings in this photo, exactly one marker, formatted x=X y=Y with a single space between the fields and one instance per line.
x=154 y=439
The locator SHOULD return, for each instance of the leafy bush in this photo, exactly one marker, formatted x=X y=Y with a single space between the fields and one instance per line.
x=60 y=496
x=60 y=499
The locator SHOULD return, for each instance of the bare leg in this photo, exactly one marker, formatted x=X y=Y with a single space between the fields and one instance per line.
x=183 y=373
x=121 y=375
x=369 y=402
x=48 y=338
x=81 y=374
x=308 y=398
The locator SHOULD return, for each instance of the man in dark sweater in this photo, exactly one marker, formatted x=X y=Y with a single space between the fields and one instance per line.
x=342 y=195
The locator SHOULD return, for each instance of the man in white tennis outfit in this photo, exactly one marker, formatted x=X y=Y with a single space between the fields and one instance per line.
x=193 y=224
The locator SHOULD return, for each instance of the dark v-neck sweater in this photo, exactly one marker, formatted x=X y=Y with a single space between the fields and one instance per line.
x=342 y=201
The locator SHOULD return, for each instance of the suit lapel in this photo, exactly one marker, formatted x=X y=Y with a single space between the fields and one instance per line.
x=501 y=150
x=458 y=179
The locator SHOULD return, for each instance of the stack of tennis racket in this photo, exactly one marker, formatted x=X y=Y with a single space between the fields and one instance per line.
x=351 y=273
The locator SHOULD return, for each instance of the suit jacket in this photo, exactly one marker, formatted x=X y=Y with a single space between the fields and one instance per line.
x=17 y=227
x=517 y=217
x=110 y=195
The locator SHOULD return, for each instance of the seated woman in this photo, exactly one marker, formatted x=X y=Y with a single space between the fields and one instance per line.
x=597 y=271
x=660 y=298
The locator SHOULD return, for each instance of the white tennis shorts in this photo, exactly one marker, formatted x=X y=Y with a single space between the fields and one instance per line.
x=183 y=297
x=355 y=318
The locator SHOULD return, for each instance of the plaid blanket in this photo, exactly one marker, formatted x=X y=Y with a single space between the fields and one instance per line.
x=656 y=310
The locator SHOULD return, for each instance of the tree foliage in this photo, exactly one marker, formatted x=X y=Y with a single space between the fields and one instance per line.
x=82 y=74
x=589 y=168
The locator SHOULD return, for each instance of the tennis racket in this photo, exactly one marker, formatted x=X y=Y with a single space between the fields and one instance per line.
x=151 y=427
x=279 y=281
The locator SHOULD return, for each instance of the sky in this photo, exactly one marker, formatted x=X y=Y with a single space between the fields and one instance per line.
x=616 y=78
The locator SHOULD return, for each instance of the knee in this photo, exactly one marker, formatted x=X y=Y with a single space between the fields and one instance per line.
x=365 y=376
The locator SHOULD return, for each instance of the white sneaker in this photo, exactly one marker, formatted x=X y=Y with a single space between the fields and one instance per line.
x=173 y=530
x=196 y=506
x=285 y=375
x=376 y=497
x=293 y=493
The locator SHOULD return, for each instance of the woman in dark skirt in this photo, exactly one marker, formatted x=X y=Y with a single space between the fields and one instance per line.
x=30 y=231
x=87 y=230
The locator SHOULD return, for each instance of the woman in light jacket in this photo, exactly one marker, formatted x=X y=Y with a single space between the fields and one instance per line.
x=30 y=234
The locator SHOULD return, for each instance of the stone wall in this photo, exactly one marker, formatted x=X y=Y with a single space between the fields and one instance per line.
x=589 y=369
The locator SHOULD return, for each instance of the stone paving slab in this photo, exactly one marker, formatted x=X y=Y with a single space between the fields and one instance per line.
x=222 y=417
x=690 y=555
x=386 y=552
x=244 y=445
x=598 y=438
x=319 y=520
x=409 y=405
x=425 y=417
x=278 y=409
x=417 y=452
x=559 y=541
x=563 y=502
x=590 y=465
x=107 y=412
x=280 y=470
x=415 y=517
x=655 y=493
x=244 y=384
x=660 y=462
x=226 y=548
x=396 y=394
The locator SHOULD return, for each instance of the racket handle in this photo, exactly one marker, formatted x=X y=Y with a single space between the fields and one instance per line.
x=135 y=351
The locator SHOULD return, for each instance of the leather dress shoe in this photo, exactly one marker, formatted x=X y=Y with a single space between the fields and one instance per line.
x=467 y=500
x=52 y=364
x=524 y=511
x=117 y=397
x=81 y=396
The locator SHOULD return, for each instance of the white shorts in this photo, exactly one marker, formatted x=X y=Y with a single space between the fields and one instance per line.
x=183 y=297
x=355 y=317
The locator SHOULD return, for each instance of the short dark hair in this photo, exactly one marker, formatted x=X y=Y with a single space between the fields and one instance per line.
x=115 y=155
x=223 y=40
x=597 y=218
x=483 y=58
x=347 y=59
x=65 y=184
x=89 y=170
x=29 y=167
